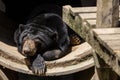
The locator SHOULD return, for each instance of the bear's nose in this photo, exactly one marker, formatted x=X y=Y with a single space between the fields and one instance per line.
x=26 y=51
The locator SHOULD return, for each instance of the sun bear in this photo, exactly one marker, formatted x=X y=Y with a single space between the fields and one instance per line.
x=42 y=37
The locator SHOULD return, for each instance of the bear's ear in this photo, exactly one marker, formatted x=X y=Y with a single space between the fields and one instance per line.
x=21 y=27
x=18 y=32
x=54 y=36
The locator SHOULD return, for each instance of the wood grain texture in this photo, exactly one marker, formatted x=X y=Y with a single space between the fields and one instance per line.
x=108 y=48
x=106 y=31
x=110 y=38
x=77 y=10
x=107 y=13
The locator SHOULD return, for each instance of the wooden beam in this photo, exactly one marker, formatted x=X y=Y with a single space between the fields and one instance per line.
x=107 y=16
x=107 y=13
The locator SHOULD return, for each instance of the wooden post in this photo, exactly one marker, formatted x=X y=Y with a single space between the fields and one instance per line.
x=107 y=13
x=102 y=70
x=107 y=16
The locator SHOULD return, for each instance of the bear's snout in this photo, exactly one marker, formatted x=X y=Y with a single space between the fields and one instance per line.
x=29 y=48
x=26 y=50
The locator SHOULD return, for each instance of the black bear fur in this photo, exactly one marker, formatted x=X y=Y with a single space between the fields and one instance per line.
x=50 y=34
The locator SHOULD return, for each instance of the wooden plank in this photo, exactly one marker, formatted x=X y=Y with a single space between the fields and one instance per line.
x=10 y=51
x=88 y=19
x=91 y=23
x=109 y=37
x=113 y=42
x=88 y=16
x=77 y=10
x=106 y=31
x=113 y=46
x=107 y=13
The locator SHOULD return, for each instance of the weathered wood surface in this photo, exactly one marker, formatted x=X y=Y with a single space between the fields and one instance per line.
x=107 y=13
x=102 y=70
x=107 y=17
x=110 y=38
x=77 y=10
x=108 y=49
x=104 y=41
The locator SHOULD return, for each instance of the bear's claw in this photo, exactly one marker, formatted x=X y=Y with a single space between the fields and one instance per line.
x=38 y=66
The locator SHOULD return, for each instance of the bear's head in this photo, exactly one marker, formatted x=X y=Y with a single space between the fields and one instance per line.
x=31 y=39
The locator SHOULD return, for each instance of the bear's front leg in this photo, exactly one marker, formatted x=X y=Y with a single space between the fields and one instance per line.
x=38 y=65
x=53 y=54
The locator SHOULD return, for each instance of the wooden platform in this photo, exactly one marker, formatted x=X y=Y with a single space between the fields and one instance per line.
x=105 y=41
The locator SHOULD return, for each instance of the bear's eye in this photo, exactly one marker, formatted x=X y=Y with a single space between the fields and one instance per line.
x=38 y=42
